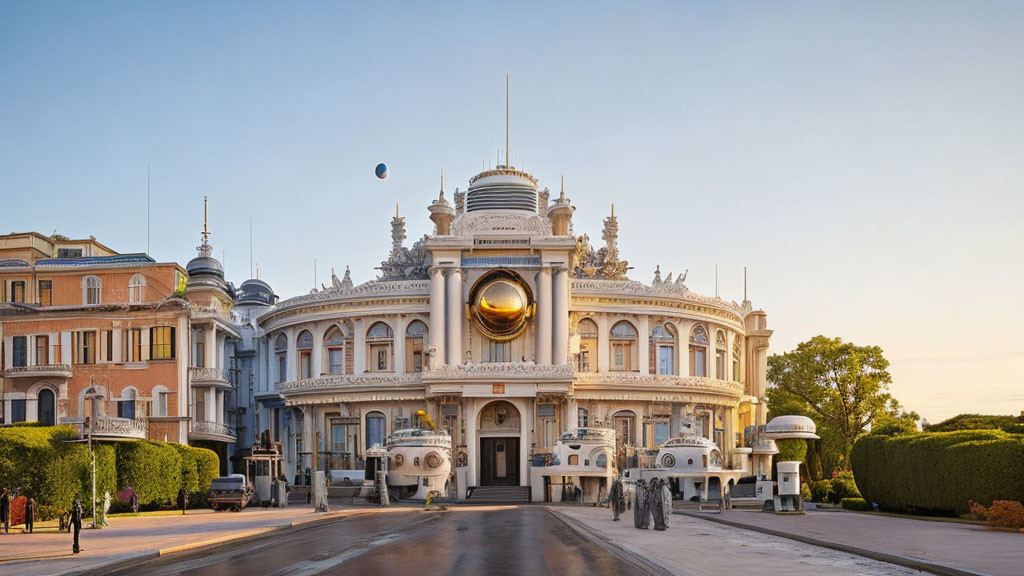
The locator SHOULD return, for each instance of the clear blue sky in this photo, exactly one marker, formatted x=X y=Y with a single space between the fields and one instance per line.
x=863 y=159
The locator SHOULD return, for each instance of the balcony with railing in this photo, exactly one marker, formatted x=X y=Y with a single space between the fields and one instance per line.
x=208 y=377
x=656 y=382
x=39 y=370
x=215 y=431
x=108 y=428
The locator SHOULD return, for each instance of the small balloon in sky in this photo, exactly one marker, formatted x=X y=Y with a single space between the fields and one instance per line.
x=381 y=171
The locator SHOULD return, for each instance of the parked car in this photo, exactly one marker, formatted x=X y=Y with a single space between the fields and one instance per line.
x=231 y=492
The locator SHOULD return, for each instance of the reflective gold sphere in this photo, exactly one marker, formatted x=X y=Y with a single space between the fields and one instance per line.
x=501 y=307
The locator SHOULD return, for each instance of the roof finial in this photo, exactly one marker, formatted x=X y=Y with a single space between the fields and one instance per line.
x=613 y=209
x=206 y=232
x=442 y=182
x=396 y=209
x=506 y=121
x=561 y=194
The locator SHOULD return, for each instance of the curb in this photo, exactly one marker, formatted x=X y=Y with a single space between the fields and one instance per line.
x=897 y=559
x=609 y=545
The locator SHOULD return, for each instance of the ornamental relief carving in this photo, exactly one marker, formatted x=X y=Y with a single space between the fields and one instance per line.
x=471 y=223
x=347 y=380
x=509 y=370
x=633 y=379
x=371 y=288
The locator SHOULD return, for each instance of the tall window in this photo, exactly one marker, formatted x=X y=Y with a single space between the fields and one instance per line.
x=415 y=336
x=161 y=342
x=305 y=348
x=126 y=405
x=661 y=430
x=46 y=407
x=736 y=361
x=587 y=359
x=18 y=410
x=334 y=349
x=663 y=348
x=281 y=355
x=698 y=351
x=380 y=341
x=450 y=420
x=42 y=350
x=84 y=347
x=160 y=403
x=376 y=429
x=498 y=351
x=582 y=417
x=624 y=422
x=136 y=287
x=45 y=292
x=623 y=346
x=547 y=416
x=18 y=291
x=199 y=348
x=19 y=348
x=133 y=345
x=721 y=349
x=91 y=290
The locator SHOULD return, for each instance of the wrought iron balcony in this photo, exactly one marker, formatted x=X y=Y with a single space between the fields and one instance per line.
x=51 y=370
x=115 y=428
x=212 y=431
x=208 y=377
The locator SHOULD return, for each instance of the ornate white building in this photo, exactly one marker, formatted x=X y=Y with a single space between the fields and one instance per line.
x=508 y=330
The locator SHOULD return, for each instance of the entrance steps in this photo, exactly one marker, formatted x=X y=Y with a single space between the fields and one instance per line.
x=500 y=494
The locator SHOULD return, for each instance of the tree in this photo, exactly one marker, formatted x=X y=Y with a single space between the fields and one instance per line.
x=841 y=386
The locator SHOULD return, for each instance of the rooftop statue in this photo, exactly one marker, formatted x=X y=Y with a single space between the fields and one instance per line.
x=403 y=263
x=604 y=263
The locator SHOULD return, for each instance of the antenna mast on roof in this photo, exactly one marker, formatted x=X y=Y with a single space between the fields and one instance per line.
x=506 y=121
x=250 y=247
x=716 y=280
x=744 y=283
x=147 y=208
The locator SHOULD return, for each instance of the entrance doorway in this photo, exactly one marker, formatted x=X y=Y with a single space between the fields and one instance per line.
x=499 y=461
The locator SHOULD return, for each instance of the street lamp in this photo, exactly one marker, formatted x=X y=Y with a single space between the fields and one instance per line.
x=92 y=395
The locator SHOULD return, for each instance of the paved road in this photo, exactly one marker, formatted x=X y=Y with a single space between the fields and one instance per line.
x=464 y=541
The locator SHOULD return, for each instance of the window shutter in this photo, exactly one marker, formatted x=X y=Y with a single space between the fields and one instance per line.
x=174 y=342
x=152 y=332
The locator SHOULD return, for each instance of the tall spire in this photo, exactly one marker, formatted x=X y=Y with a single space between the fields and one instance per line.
x=205 y=250
x=506 y=121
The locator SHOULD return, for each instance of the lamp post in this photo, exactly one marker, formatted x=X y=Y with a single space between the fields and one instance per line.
x=92 y=395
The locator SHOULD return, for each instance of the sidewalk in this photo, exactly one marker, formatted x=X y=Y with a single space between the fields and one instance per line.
x=133 y=537
x=967 y=547
x=693 y=547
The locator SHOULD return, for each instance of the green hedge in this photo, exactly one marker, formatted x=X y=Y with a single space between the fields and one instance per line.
x=939 y=472
x=38 y=460
x=858 y=504
x=791 y=450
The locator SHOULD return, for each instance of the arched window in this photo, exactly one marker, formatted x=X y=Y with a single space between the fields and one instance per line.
x=304 y=344
x=376 y=429
x=92 y=288
x=415 y=337
x=281 y=355
x=623 y=347
x=46 y=405
x=587 y=359
x=380 y=345
x=624 y=422
x=736 y=360
x=334 y=350
x=663 y=348
x=721 y=349
x=126 y=404
x=582 y=418
x=136 y=288
x=698 y=351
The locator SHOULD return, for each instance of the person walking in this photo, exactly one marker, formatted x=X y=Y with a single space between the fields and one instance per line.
x=183 y=500
x=5 y=510
x=30 y=514
x=76 y=522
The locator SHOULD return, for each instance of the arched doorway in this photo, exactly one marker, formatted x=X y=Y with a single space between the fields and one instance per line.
x=500 y=425
x=47 y=406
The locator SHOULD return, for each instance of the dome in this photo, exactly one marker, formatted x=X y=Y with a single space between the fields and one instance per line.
x=792 y=426
x=500 y=305
x=204 y=265
x=255 y=291
x=503 y=188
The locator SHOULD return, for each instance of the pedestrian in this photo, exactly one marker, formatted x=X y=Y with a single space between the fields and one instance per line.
x=656 y=503
x=30 y=514
x=76 y=521
x=5 y=510
x=641 y=514
x=666 y=497
x=106 y=508
x=133 y=503
x=616 y=499
x=183 y=500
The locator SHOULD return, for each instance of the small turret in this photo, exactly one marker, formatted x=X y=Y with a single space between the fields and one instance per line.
x=560 y=214
x=442 y=213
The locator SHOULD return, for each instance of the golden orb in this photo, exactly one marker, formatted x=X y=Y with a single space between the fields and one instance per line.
x=501 y=308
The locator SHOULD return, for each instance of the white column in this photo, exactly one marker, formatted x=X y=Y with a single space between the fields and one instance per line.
x=211 y=404
x=454 y=307
x=399 y=363
x=524 y=442
x=603 y=343
x=291 y=368
x=543 y=321
x=560 y=312
x=645 y=344
x=116 y=340
x=684 y=348
x=211 y=347
x=359 y=343
x=318 y=351
x=437 y=332
x=472 y=443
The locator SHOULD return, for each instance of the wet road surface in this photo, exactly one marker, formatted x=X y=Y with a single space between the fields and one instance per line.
x=462 y=541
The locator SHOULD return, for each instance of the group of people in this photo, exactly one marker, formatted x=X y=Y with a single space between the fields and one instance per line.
x=7 y=511
x=651 y=500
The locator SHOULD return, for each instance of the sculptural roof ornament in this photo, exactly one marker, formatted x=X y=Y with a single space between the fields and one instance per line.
x=404 y=263
x=604 y=263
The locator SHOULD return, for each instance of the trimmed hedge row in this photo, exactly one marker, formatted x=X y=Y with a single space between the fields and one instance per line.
x=42 y=462
x=939 y=472
x=858 y=504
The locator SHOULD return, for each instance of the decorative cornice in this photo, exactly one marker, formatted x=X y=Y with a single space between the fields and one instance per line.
x=346 y=381
x=632 y=288
x=504 y=371
x=380 y=288
x=657 y=381
x=484 y=222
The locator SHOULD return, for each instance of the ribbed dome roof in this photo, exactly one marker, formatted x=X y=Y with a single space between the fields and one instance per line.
x=204 y=265
x=255 y=291
x=503 y=188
